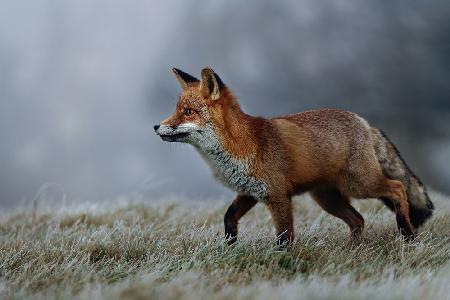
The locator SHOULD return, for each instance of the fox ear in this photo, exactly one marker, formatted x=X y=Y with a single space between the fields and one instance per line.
x=211 y=85
x=183 y=78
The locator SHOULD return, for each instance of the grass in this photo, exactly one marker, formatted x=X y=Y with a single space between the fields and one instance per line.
x=176 y=251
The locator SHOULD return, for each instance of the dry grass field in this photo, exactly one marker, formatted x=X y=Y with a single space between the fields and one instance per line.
x=130 y=250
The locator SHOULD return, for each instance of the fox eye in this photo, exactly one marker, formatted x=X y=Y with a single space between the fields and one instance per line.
x=188 y=111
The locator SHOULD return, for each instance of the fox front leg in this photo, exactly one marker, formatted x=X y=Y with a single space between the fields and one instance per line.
x=240 y=206
x=282 y=218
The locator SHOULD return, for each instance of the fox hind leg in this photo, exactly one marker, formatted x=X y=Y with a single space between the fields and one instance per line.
x=395 y=192
x=338 y=205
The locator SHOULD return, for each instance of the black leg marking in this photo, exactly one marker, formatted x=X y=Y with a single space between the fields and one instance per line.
x=231 y=224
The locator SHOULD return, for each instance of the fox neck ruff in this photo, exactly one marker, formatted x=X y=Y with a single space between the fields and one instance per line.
x=233 y=172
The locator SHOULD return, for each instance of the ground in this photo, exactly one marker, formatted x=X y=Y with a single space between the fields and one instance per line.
x=131 y=250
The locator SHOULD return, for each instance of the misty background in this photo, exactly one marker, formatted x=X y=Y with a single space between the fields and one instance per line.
x=83 y=82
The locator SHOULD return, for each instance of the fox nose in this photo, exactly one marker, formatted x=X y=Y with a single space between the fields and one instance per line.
x=156 y=127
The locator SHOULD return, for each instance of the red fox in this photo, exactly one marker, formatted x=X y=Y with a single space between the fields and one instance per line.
x=333 y=154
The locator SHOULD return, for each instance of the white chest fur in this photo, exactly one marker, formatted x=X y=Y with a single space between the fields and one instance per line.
x=235 y=174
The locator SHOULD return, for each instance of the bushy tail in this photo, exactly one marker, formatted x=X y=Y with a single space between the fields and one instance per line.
x=394 y=167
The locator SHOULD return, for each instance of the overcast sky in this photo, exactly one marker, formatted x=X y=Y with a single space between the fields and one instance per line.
x=83 y=82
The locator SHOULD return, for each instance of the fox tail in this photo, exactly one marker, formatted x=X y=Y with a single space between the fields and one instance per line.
x=394 y=167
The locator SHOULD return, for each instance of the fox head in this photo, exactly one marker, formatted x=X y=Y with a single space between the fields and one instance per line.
x=200 y=112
